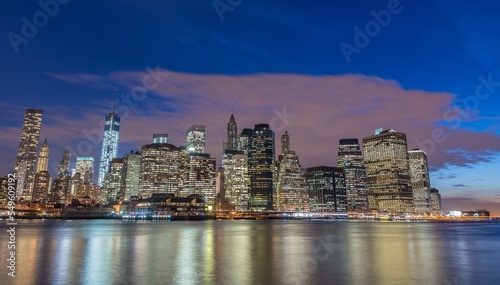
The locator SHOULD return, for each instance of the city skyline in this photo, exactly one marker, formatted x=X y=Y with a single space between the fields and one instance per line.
x=317 y=99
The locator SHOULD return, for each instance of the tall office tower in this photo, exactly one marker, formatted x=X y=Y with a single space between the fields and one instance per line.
x=195 y=139
x=201 y=176
x=435 y=206
x=43 y=157
x=61 y=191
x=261 y=167
x=64 y=164
x=387 y=172
x=244 y=140
x=130 y=177
x=236 y=179
x=162 y=170
x=285 y=143
x=232 y=134
x=420 y=182
x=113 y=181
x=292 y=191
x=351 y=159
x=85 y=166
x=109 y=144
x=160 y=138
x=24 y=169
x=327 y=189
x=42 y=176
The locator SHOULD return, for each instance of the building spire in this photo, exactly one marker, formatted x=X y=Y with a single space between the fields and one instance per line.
x=114 y=101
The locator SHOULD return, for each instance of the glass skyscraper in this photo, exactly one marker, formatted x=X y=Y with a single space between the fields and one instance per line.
x=109 y=144
x=195 y=139
x=261 y=167
x=24 y=168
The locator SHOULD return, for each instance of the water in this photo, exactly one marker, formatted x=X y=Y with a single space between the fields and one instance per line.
x=253 y=252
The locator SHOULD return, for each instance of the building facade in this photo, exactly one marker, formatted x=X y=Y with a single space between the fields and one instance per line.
x=261 y=168
x=327 y=189
x=420 y=182
x=109 y=144
x=130 y=177
x=24 y=168
x=387 y=172
x=195 y=139
x=113 y=181
x=85 y=166
x=351 y=159
x=435 y=207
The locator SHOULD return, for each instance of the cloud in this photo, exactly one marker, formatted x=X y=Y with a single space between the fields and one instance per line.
x=460 y=185
x=317 y=111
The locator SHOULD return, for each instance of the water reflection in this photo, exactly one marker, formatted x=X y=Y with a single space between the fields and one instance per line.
x=254 y=252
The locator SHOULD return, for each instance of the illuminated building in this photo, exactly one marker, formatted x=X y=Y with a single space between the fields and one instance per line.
x=244 y=140
x=236 y=179
x=232 y=134
x=162 y=169
x=160 y=138
x=113 y=181
x=64 y=164
x=61 y=192
x=85 y=166
x=24 y=168
x=130 y=177
x=327 y=189
x=195 y=139
x=420 y=183
x=200 y=176
x=435 y=207
x=109 y=144
x=351 y=159
x=291 y=191
x=387 y=172
x=42 y=176
x=261 y=168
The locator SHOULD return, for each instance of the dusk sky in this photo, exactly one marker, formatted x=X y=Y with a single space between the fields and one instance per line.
x=322 y=71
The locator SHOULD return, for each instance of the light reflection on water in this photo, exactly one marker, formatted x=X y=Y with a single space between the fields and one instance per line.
x=253 y=252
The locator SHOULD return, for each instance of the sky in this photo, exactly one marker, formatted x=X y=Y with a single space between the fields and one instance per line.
x=321 y=71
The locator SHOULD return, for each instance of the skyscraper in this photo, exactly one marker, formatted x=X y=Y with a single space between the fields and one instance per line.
x=420 y=182
x=109 y=144
x=64 y=163
x=113 y=180
x=261 y=167
x=26 y=155
x=236 y=179
x=435 y=206
x=162 y=170
x=130 y=177
x=351 y=159
x=327 y=189
x=195 y=139
x=232 y=134
x=291 y=191
x=43 y=157
x=85 y=166
x=387 y=172
x=42 y=176
x=201 y=176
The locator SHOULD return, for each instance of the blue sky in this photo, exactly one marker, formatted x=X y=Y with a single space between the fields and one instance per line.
x=433 y=49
